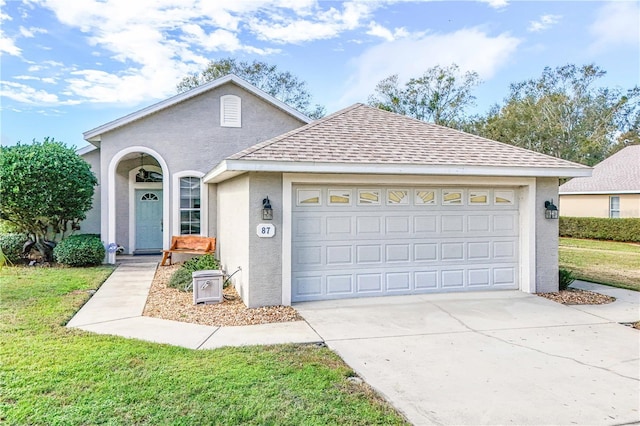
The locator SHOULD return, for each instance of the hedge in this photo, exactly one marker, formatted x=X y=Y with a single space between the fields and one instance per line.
x=601 y=228
x=11 y=245
x=80 y=250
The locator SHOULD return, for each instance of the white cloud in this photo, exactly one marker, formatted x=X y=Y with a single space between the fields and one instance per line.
x=8 y=46
x=31 y=32
x=324 y=24
x=471 y=49
x=378 y=30
x=496 y=4
x=543 y=23
x=26 y=94
x=617 y=23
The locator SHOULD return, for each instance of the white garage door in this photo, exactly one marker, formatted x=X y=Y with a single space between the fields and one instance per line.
x=374 y=241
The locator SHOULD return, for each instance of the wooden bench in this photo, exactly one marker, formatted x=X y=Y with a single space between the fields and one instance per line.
x=189 y=244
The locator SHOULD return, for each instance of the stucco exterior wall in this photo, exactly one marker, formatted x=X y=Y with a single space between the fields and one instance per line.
x=265 y=278
x=546 y=236
x=233 y=231
x=91 y=225
x=188 y=136
x=597 y=205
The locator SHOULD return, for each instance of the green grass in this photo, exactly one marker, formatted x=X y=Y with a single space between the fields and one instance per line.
x=606 y=262
x=51 y=375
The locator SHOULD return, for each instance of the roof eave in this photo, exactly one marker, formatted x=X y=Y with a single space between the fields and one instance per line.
x=231 y=168
x=94 y=135
x=624 y=191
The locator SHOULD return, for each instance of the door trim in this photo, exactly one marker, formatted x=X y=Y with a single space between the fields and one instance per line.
x=133 y=185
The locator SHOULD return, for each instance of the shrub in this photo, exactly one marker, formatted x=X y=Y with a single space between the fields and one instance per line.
x=181 y=279
x=11 y=246
x=80 y=250
x=565 y=279
x=601 y=228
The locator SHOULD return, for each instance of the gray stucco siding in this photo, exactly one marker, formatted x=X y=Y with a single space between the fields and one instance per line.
x=91 y=224
x=186 y=136
x=265 y=261
x=546 y=237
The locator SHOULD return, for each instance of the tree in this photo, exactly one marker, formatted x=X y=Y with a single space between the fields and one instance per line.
x=46 y=190
x=562 y=114
x=440 y=95
x=280 y=84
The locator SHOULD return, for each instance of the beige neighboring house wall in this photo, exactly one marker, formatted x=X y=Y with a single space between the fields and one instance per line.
x=597 y=205
x=616 y=176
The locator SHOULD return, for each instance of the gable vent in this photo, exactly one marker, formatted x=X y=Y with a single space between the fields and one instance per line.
x=230 y=111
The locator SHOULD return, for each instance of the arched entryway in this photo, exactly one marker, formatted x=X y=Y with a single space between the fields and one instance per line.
x=137 y=194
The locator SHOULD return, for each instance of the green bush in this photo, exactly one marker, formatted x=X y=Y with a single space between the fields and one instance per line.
x=11 y=246
x=80 y=250
x=181 y=279
x=601 y=228
x=565 y=279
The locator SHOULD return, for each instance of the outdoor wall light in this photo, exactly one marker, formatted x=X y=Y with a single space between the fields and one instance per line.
x=267 y=211
x=550 y=210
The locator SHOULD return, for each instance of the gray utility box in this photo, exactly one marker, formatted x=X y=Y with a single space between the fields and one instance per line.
x=207 y=286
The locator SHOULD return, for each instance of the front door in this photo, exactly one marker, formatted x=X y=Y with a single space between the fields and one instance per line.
x=148 y=220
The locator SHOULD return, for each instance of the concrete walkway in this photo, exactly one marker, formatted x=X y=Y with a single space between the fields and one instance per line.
x=116 y=309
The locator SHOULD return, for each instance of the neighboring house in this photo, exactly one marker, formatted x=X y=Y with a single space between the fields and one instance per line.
x=365 y=202
x=612 y=191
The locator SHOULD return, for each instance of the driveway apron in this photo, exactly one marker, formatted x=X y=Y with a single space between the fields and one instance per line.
x=487 y=357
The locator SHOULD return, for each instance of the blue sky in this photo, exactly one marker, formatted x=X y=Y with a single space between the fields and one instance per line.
x=68 y=66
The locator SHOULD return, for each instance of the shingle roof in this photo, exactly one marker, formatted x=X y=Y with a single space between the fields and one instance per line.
x=620 y=172
x=363 y=134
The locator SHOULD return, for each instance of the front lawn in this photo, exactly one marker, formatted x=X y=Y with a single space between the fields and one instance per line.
x=605 y=262
x=51 y=375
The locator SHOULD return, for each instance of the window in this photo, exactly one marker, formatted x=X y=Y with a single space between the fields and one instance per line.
x=189 y=205
x=230 y=111
x=614 y=206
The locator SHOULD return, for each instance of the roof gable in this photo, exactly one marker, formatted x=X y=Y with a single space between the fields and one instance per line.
x=368 y=136
x=94 y=135
x=618 y=173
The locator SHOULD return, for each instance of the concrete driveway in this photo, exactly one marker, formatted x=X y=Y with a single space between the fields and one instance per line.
x=487 y=358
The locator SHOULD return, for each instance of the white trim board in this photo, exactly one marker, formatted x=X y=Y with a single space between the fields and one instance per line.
x=230 y=168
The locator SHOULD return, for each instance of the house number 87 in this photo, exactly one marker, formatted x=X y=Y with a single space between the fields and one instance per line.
x=266 y=230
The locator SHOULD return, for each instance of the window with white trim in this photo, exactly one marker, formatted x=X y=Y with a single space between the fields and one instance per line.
x=614 y=206
x=190 y=205
x=230 y=111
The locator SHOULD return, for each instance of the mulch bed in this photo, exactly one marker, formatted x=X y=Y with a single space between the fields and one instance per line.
x=574 y=296
x=172 y=304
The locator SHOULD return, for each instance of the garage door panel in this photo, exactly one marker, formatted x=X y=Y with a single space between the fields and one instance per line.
x=369 y=283
x=339 y=255
x=398 y=282
x=371 y=253
x=397 y=253
x=339 y=225
x=425 y=252
x=425 y=225
x=369 y=225
x=355 y=250
x=340 y=285
x=452 y=223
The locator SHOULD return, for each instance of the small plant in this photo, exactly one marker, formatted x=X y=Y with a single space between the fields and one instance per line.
x=566 y=278
x=181 y=279
x=80 y=250
x=11 y=245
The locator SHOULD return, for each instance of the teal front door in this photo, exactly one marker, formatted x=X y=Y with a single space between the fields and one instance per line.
x=148 y=220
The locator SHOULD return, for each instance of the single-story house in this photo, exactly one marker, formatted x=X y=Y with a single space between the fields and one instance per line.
x=364 y=202
x=613 y=190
